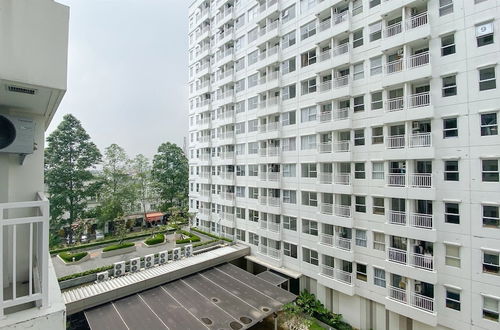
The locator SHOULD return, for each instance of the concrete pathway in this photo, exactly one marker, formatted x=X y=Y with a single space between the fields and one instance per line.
x=96 y=261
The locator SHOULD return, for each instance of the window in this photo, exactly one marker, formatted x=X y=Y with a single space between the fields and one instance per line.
x=360 y=204
x=451 y=170
x=289 y=170
x=290 y=250
x=253 y=80
x=288 y=14
x=288 y=92
x=288 y=40
x=490 y=170
x=490 y=262
x=375 y=30
x=288 y=66
x=490 y=308
x=376 y=101
x=240 y=191
x=489 y=124
x=239 y=64
x=252 y=36
x=308 y=170
x=452 y=255
x=361 y=272
x=253 y=192
x=376 y=65
x=253 y=239
x=361 y=237
x=491 y=216
x=289 y=223
x=239 y=128
x=253 y=102
x=358 y=71
x=357 y=7
x=359 y=103
x=308 y=142
x=240 y=107
x=453 y=299
x=448 y=45
x=240 y=170
x=253 y=148
x=288 y=118
x=253 y=125
x=308 y=86
x=378 y=241
x=253 y=215
x=379 y=277
x=310 y=256
x=308 y=30
x=452 y=213
x=253 y=170
x=487 y=79
x=309 y=198
x=240 y=213
x=374 y=3
x=310 y=227
x=450 y=127
x=445 y=7
x=378 y=206
x=357 y=38
x=449 y=86
x=290 y=196
x=377 y=170
x=308 y=114
x=308 y=58
x=359 y=171
x=240 y=235
x=359 y=137
x=289 y=144
x=484 y=34
x=253 y=57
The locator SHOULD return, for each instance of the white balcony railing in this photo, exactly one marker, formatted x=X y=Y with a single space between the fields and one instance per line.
x=325 y=147
x=422 y=261
x=421 y=180
x=343 y=179
x=412 y=298
x=273 y=226
x=325 y=116
x=419 y=100
x=420 y=220
x=273 y=253
x=24 y=277
x=419 y=140
x=397 y=217
x=342 y=146
x=417 y=60
x=273 y=201
x=343 y=210
x=343 y=243
x=343 y=276
x=325 y=177
x=328 y=271
x=395 y=142
x=341 y=114
x=326 y=208
x=397 y=255
x=326 y=239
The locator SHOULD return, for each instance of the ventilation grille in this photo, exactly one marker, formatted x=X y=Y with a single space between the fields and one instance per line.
x=22 y=90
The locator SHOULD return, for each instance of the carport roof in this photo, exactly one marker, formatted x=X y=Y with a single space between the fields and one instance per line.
x=223 y=297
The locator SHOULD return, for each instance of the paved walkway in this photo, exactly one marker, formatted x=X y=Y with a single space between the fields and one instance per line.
x=96 y=261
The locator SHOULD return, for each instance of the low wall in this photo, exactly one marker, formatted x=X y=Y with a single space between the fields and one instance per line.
x=118 y=252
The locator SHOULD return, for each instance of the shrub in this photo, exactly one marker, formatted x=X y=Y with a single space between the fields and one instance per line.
x=156 y=239
x=118 y=246
x=192 y=237
x=87 y=272
x=68 y=257
x=210 y=235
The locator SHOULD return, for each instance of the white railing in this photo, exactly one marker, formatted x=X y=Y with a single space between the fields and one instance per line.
x=397 y=255
x=416 y=21
x=273 y=226
x=393 y=29
x=326 y=208
x=273 y=201
x=422 y=261
x=419 y=100
x=325 y=116
x=273 y=176
x=343 y=276
x=397 y=217
x=339 y=18
x=325 y=55
x=325 y=25
x=325 y=86
x=342 y=210
x=263 y=176
x=417 y=60
x=396 y=179
x=263 y=249
x=395 y=142
x=227 y=155
x=419 y=140
x=263 y=200
x=263 y=152
x=341 y=114
x=394 y=66
x=273 y=151
x=29 y=283
x=421 y=180
x=342 y=146
x=229 y=196
x=394 y=104
x=326 y=239
x=420 y=220
x=325 y=147
x=228 y=216
x=398 y=294
x=422 y=302
x=227 y=175
x=328 y=271
x=325 y=177
x=273 y=126
x=273 y=253
x=262 y=224
x=340 y=49
x=343 y=243
x=343 y=178
x=342 y=81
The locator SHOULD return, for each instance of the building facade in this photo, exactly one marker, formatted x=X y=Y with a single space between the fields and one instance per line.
x=355 y=143
x=33 y=69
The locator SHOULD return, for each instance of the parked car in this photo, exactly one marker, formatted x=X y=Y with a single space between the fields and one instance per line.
x=84 y=239
x=99 y=235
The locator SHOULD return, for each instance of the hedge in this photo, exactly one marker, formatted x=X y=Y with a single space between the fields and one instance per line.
x=211 y=235
x=118 y=246
x=98 y=243
x=156 y=239
x=192 y=237
x=87 y=272
x=68 y=257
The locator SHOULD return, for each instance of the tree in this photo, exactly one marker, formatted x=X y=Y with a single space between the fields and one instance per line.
x=170 y=175
x=69 y=158
x=142 y=177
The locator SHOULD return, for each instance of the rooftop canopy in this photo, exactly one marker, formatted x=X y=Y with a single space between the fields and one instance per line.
x=224 y=297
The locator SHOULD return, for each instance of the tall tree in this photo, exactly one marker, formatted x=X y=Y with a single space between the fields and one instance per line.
x=141 y=169
x=170 y=175
x=69 y=158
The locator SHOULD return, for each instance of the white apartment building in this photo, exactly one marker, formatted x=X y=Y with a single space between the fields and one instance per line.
x=33 y=68
x=355 y=143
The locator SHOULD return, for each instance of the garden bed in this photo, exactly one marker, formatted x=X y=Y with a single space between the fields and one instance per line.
x=114 y=250
x=210 y=235
x=156 y=240
x=191 y=237
x=73 y=258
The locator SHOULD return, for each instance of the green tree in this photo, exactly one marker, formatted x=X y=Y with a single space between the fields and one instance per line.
x=170 y=175
x=142 y=177
x=69 y=158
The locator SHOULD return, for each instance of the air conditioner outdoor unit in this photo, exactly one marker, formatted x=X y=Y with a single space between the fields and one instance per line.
x=163 y=257
x=176 y=253
x=400 y=52
x=188 y=251
x=149 y=261
x=135 y=265
x=102 y=276
x=119 y=268
x=17 y=135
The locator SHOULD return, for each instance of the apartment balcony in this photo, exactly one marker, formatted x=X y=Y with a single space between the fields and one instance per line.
x=270 y=106
x=325 y=178
x=228 y=176
x=226 y=137
x=411 y=224
x=336 y=245
x=227 y=155
x=336 y=274
x=203 y=69
x=406 y=69
x=414 y=28
x=270 y=176
x=223 y=17
x=417 y=106
x=225 y=37
x=225 y=57
x=343 y=179
x=225 y=77
x=270 y=252
x=229 y=196
x=411 y=298
x=271 y=81
x=340 y=118
x=203 y=106
x=421 y=261
x=202 y=52
x=268 y=57
x=266 y=9
x=270 y=130
x=414 y=180
x=417 y=140
x=202 y=34
x=341 y=87
x=334 y=57
x=225 y=118
x=269 y=31
x=325 y=147
x=226 y=98
x=24 y=271
x=269 y=152
x=343 y=243
x=342 y=146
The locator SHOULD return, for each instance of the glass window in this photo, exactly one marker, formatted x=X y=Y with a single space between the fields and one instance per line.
x=308 y=86
x=288 y=118
x=487 y=79
x=359 y=171
x=491 y=216
x=484 y=34
x=376 y=65
x=448 y=45
x=288 y=14
x=290 y=250
x=289 y=170
x=490 y=262
x=358 y=71
x=375 y=30
x=379 y=277
x=361 y=237
x=452 y=213
x=452 y=255
x=309 y=198
x=490 y=308
x=378 y=241
x=288 y=40
x=289 y=223
x=357 y=38
x=453 y=299
x=449 y=86
x=310 y=256
x=361 y=272
x=490 y=170
x=308 y=30
x=377 y=170
x=310 y=227
x=309 y=170
x=445 y=7
x=308 y=58
x=308 y=142
x=240 y=235
x=357 y=7
x=489 y=124
x=288 y=92
x=289 y=196
x=288 y=66
x=451 y=170
x=360 y=205
x=450 y=127
x=359 y=103
x=378 y=206
x=377 y=102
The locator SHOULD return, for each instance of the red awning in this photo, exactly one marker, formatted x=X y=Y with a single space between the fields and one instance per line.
x=156 y=216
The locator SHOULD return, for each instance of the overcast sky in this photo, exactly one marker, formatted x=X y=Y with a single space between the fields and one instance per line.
x=127 y=72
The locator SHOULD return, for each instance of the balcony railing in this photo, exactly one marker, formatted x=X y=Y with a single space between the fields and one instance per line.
x=397 y=217
x=343 y=276
x=325 y=116
x=29 y=283
x=421 y=180
x=395 y=142
x=412 y=298
x=326 y=208
x=411 y=23
x=343 y=179
x=325 y=177
x=325 y=147
x=343 y=243
x=273 y=226
x=397 y=255
x=326 y=239
x=419 y=140
x=420 y=220
x=342 y=146
x=422 y=261
x=342 y=210
x=328 y=271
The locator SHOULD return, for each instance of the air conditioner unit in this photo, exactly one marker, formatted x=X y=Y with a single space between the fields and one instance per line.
x=149 y=261
x=119 y=268
x=135 y=265
x=188 y=251
x=163 y=257
x=17 y=135
x=400 y=52
x=102 y=276
x=176 y=253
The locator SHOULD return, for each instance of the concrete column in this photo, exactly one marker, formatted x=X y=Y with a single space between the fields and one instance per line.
x=321 y=293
